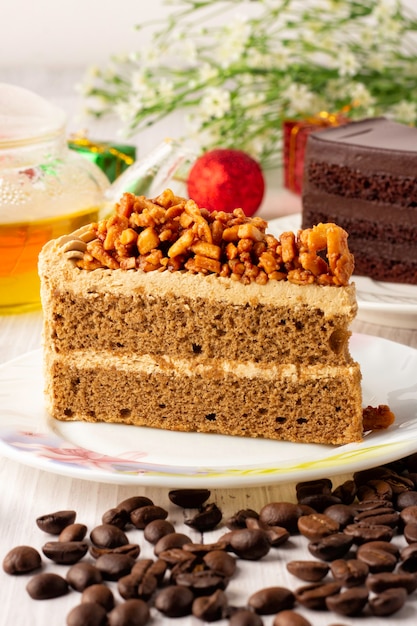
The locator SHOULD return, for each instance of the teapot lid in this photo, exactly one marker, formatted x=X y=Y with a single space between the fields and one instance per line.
x=26 y=116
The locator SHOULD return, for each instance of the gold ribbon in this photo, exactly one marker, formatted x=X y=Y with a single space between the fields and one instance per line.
x=100 y=148
x=323 y=119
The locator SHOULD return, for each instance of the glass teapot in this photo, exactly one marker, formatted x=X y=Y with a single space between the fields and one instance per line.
x=46 y=190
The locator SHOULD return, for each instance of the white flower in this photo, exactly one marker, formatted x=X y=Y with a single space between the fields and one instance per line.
x=215 y=102
x=165 y=88
x=300 y=98
x=207 y=72
x=405 y=112
x=347 y=64
x=360 y=96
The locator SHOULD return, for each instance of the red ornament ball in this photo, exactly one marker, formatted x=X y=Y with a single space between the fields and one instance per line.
x=224 y=180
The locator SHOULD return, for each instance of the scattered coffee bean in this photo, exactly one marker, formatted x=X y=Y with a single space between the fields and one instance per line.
x=73 y=532
x=130 y=613
x=406 y=498
x=331 y=547
x=309 y=571
x=87 y=614
x=135 y=502
x=290 y=618
x=349 y=572
x=131 y=549
x=46 y=585
x=54 y=523
x=170 y=542
x=82 y=575
x=114 y=566
x=240 y=518
x=145 y=514
x=277 y=535
x=388 y=602
x=390 y=580
x=375 y=490
x=316 y=526
x=284 y=514
x=249 y=544
x=314 y=596
x=271 y=600
x=207 y=518
x=116 y=517
x=340 y=513
x=65 y=552
x=244 y=617
x=377 y=558
x=99 y=594
x=221 y=562
x=108 y=536
x=174 y=601
x=210 y=608
x=156 y=529
x=362 y=532
x=410 y=533
x=350 y=602
x=21 y=560
x=346 y=492
x=189 y=498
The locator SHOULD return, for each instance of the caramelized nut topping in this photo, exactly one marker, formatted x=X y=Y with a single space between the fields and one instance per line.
x=174 y=234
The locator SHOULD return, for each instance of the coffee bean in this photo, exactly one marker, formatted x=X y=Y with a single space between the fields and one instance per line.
x=65 y=552
x=171 y=541
x=389 y=580
x=177 y=557
x=135 y=502
x=388 y=602
x=114 y=566
x=131 y=549
x=377 y=559
x=331 y=547
x=189 y=498
x=313 y=488
x=207 y=518
x=201 y=549
x=314 y=596
x=156 y=568
x=156 y=529
x=210 y=608
x=221 y=562
x=363 y=532
x=375 y=490
x=130 y=613
x=408 y=515
x=54 y=523
x=116 y=517
x=174 y=601
x=384 y=516
x=316 y=526
x=406 y=498
x=244 y=617
x=21 y=560
x=410 y=533
x=108 y=536
x=284 y=514
x=82 y=575
x=409 y=559
x=87 y=614
x=310 y=571
x=320 y=502
x=340 y=513
x=201 y=583
x=99 y=594
x=249 y=544
x=73 y=532
x=349 y=572
x=271 y=600
x=145 y=514
x=277 y=535
x=350 y=602
x=290 y=618
x=46 y=585
x=346 y=492
x=239 y=519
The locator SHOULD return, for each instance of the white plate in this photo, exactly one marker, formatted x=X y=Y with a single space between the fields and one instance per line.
x=145 y=456
x=384 y=303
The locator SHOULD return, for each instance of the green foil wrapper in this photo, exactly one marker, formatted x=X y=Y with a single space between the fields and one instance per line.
x=112 y=159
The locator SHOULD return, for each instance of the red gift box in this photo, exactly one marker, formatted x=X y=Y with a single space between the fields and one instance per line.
x=296 y=133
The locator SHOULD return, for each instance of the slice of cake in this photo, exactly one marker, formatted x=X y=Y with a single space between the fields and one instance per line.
x=363 y=177
x=168 y=316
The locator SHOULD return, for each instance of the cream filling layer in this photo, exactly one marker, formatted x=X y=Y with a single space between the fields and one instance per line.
x=149 y=365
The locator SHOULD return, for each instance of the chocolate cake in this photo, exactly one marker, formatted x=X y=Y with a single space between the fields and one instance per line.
x=363 y=177
x=171 y=317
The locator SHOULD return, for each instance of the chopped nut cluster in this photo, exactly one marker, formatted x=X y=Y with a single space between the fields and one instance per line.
x=377 y=417
x=173 y=233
